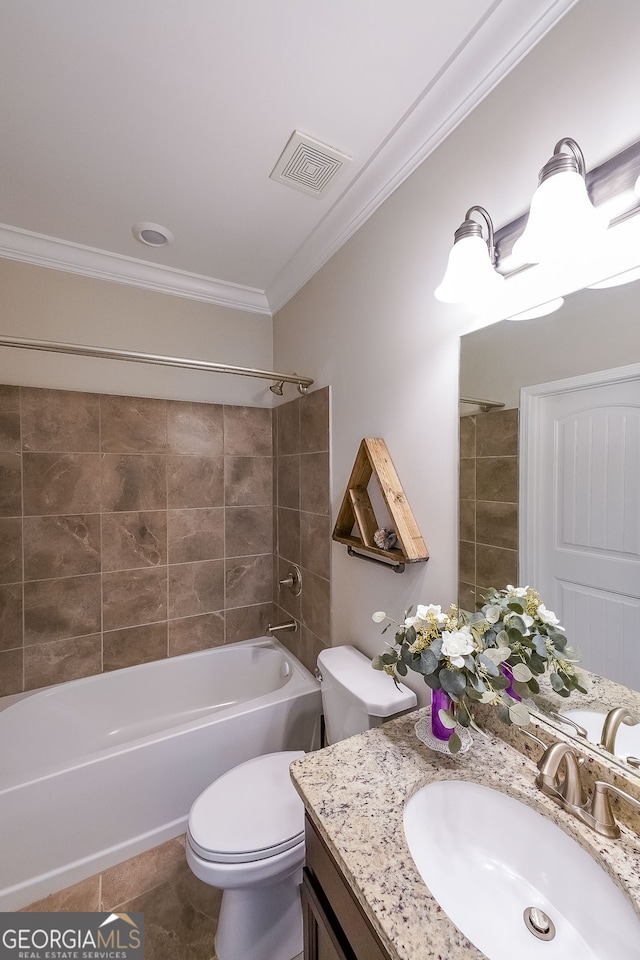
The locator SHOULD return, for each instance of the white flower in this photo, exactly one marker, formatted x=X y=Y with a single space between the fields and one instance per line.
x=492 y=614
x=547 y=616
x=434 y=609
x=516 y=591
x=457 y=644
x=378 y=616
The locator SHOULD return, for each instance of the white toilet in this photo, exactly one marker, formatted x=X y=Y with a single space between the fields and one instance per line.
x=246 y=831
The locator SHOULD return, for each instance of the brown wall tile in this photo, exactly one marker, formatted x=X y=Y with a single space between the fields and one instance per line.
x=195 y=481
x=141 y=873
x=468 y=520
x=11 y=672
x=60 y=420
x=132 y=540
x=314 y=421
x=133 y=482
x=133 y=425
x=10 y=550
x=247 y=432
x=58 y=483
x=467 y=561
x=497 y=478
x=133 y=645
x=288 y=416
x=289 y=482
x=244 y=623
x=10 y=616
x=467 y=436
x=196 y=633
x=57 y=609
x=289 y=534
x=497 y=524
x=195 y=428
x=196 y=588
x=315 y=544
x=316 y=606
x=284 y=598
x=9 y=419
x=248 y=530
x=79 y=898
x=314 y=483
x=196 y=535
x=248 y=580
x=61 y=546
x=248 y=481
x=497 y=434
x=467 y=479
x=496 y=567
x=58 y=660
x=10 y=485
x=133 y=597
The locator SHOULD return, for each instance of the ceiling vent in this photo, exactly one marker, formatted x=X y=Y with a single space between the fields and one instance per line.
x=308 y=165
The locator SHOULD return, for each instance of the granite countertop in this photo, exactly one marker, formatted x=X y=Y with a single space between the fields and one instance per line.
x=354 y=792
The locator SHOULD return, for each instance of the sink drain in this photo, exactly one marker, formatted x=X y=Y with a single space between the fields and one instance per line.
x=539 y=924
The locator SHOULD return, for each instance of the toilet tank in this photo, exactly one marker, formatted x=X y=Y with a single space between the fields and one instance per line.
x=355 y=697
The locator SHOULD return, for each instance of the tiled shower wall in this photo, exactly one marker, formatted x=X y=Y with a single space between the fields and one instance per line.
x=130 y=530
x=488 y=503
x=302 y=519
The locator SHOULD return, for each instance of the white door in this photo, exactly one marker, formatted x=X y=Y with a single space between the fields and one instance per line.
x=580 y=516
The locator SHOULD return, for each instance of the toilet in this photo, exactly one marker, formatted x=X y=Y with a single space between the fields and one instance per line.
x=246 y=830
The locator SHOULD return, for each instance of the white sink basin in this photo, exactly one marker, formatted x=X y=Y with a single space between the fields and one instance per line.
x=486 y=858
x=627 y=738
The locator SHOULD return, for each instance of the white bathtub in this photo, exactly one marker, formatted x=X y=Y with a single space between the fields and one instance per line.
x=97 y=770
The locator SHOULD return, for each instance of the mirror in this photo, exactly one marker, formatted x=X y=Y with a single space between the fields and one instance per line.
x=595 y=330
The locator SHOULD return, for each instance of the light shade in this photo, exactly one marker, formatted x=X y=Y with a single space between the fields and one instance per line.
x=563 y=223
x=470 y=276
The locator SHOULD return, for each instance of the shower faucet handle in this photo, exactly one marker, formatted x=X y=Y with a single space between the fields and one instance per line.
x=293 y=581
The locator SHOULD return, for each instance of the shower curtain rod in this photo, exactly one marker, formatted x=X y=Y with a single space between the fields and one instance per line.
x=485 y=405
x=207 y=366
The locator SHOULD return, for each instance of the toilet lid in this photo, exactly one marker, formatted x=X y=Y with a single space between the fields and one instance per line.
x=250 y=813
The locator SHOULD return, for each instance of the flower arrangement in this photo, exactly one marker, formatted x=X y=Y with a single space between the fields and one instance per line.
x=492 y=656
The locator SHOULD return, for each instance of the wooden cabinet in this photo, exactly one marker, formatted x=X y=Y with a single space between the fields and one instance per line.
x=335 y=927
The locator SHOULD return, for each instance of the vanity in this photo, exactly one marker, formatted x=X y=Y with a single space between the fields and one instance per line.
x=363 y=896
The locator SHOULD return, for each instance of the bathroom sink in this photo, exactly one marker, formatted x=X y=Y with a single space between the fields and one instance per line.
x=627 y=738
x=488 y=858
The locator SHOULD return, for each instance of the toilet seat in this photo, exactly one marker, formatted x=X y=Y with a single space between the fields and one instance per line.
x=250 y=813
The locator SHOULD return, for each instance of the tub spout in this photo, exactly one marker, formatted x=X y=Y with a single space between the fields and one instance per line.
x=289 y=627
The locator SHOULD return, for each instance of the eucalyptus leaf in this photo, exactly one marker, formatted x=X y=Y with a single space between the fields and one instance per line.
x=447 y=719
x=455 y=743
x=516 y=605
x=503 y=638
x=521 y=672
x=557 y=683
x=377 y=663
x=436 y=646
x=519 y=714
x=389 y=658
x=489 y=665
x=453 y=682
x=432 y=681
x=410 y=634
x=428 y=661
x=402 y=668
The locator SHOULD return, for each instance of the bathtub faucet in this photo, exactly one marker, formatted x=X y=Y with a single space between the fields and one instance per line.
x=289 y=627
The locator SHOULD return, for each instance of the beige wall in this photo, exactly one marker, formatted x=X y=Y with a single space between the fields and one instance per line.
x=368 y=323
x=44 y=304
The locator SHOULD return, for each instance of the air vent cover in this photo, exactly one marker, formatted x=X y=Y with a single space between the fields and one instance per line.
x=308 y=165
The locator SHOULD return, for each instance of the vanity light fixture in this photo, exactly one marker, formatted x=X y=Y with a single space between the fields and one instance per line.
x=471 y=275
x=563 y=222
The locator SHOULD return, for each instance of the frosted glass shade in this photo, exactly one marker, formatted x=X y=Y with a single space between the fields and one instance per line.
x=563 y=224
x=470 y=275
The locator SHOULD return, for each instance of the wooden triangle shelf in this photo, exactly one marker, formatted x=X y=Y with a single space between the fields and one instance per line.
x=356 y=509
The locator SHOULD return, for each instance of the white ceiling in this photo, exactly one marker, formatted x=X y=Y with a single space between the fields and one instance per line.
x=175 y=112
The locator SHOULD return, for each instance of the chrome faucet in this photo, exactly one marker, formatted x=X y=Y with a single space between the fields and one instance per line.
x=611 y=723
x=569 y=792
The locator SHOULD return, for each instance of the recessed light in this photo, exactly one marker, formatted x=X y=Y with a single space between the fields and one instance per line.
x=152 y=234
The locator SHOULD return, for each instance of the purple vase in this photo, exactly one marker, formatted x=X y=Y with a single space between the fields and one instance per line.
x=439 y=701
x=506 y=669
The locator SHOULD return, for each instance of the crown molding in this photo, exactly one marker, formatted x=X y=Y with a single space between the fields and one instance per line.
x=500 y=40
x=27 y=247
x=490 y=52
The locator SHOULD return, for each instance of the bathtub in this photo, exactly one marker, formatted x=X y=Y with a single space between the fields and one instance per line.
x=96 y=770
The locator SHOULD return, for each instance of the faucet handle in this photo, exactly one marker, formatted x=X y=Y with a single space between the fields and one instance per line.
x=604 y=821
x=568 y=791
